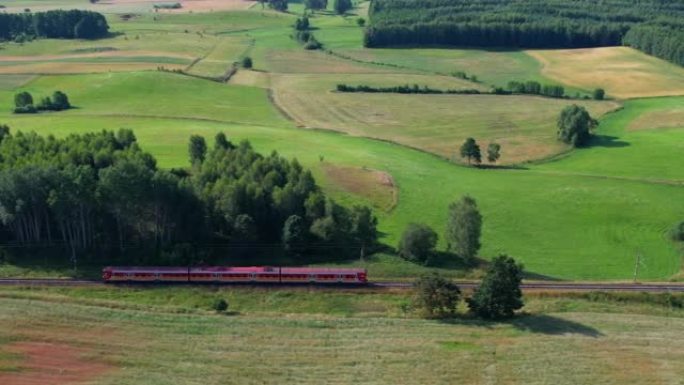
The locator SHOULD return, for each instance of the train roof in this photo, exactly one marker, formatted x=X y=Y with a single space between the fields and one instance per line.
x=247 y=269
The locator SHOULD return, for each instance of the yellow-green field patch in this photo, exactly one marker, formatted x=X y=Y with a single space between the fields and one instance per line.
x=669 y=118
x=306 y=62
x=221 y=57
x=251 y=78
x=623 y=72
x=524 y=125
x=9 y=82
x=378 y=187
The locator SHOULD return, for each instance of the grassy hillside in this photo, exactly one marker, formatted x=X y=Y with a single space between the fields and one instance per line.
x=604 y=220
x=305 y=337
x=523 y=125
x=583 y=216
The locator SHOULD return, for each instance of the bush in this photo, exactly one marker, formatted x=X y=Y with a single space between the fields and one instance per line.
x=599 y=94
x=313 y=44
x=246 y=62
x=499 y=294
x=23 y=99
x=220 y=305
x=30 y=109
x=417 y=243
x=436 y=296
x=677 y=233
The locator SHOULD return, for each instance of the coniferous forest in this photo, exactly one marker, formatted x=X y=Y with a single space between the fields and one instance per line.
x=653 y=26
x=57 y=24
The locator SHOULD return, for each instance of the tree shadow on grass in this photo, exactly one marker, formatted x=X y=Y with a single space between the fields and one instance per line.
x=539 y=277
x=540 y=324
x=607 y=141
x=546 y=324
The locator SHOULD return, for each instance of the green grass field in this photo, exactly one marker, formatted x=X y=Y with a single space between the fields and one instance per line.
x=605 y=220
x=585 y=215
x=151 y=336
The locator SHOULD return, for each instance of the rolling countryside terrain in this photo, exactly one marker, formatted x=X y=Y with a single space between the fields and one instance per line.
x=583 y=215
x=602 y=212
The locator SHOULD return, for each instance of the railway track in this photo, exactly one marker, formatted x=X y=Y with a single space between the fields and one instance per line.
x=527 y=286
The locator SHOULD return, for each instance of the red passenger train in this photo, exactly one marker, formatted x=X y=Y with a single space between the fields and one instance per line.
x=224 y=274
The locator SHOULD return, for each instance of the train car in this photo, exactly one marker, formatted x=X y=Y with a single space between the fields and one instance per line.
x=226 y=274
x=145 y=274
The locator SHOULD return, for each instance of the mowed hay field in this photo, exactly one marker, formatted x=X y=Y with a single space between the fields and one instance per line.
x=523 y=125
x=623 y=72
x=154 y=336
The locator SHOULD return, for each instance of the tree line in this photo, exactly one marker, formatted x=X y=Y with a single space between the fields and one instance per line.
x=653 y=26
x=665 y=42
x=57 y=24
x=99 y=194
x=403 y=89
x=23 y=103
x=513 y=87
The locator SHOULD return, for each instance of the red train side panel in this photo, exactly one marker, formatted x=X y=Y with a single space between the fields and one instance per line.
x=225 y=274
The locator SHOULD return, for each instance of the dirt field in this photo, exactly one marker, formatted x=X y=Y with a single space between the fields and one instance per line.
x=42 y=363
x=376 y=186
x=623 y=72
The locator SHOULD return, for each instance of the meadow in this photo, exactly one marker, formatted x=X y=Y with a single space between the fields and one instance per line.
x=523 y=125
x=584 y=215
x=622 y=71
x=133 y=336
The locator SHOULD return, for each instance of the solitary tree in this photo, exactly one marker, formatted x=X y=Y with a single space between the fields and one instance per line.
x=23 y=99
x=493 y=152
x=417 y=243
x=197 y=149
x=464 y=227
x=499 y=294
x=436 y=296
x=342 y=6
x=599 y=94
x=60 y=101
x=575 y=125
x=246 y=62
x=471 y=150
